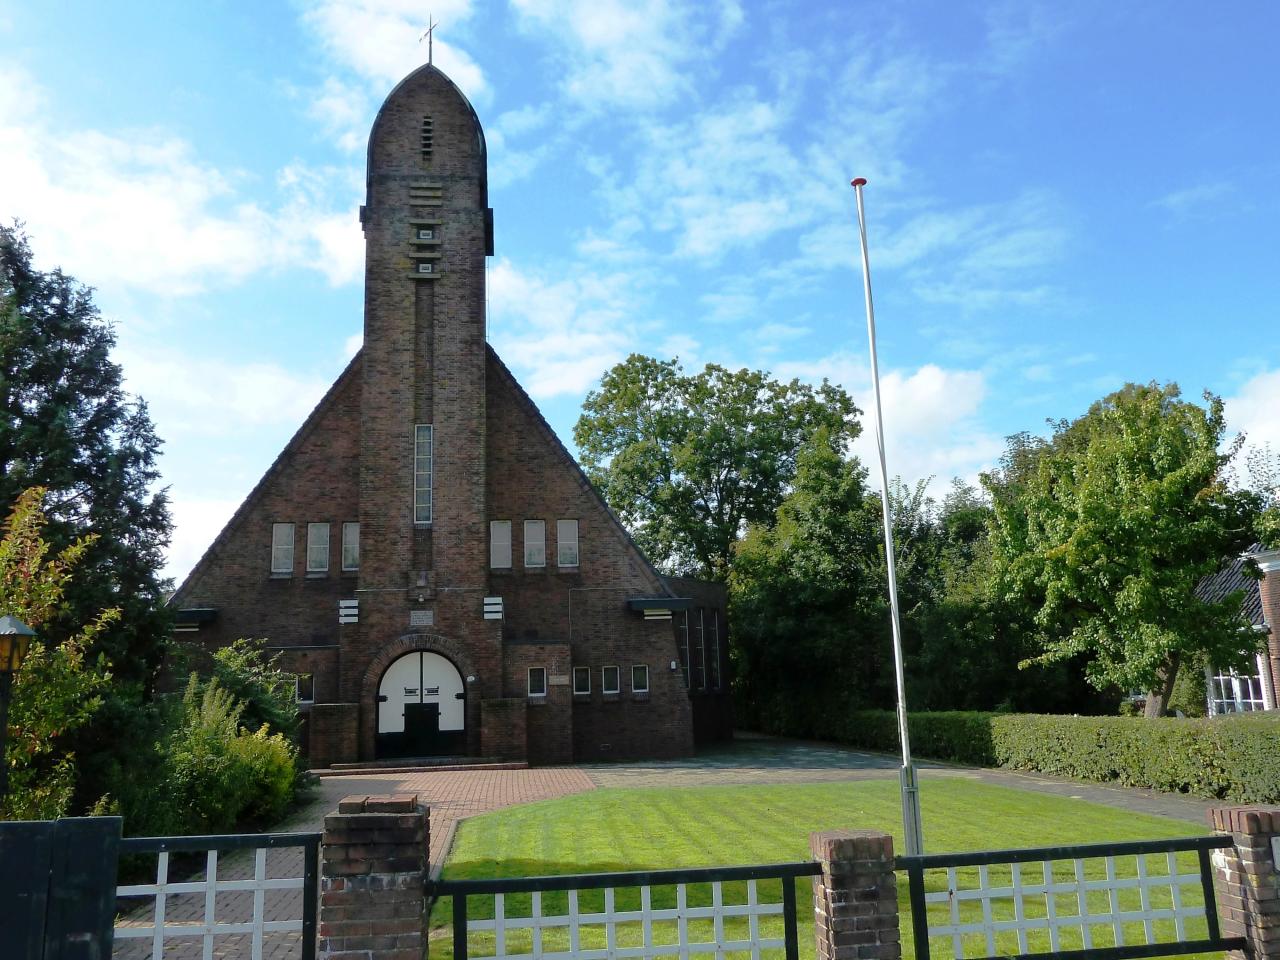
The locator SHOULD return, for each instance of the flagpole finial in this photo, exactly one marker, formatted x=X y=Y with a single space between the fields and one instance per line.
x=858 y=182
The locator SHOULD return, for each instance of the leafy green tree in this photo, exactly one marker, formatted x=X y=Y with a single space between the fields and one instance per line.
x=67 y=425
x=58 y=688
x=689 y=461
x=1104 y=530
x=807 y=601
x=267 y=695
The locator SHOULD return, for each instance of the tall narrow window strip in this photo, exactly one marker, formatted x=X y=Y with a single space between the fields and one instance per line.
x=682 y=644
x=581 y=680
x=282 y=548
x=535 y=543
x=699 y=653
x=567 y=543
x=640 y=678
x=422 y=467
x=317 y=548
x=500 y=544
x=350 y=547
x=713 y=651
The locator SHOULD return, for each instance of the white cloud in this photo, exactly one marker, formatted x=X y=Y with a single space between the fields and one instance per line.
x=636 y=54
x=196 y=522
x=196 y=396
x=1255 y=410
x=1201 y=199
x=141 y=210
x=379 y=40
x=560 y=335
x=931 y=417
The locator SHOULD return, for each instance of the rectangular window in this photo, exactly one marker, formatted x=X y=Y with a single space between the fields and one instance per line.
x=682 y=644
x=500 y=544
x=422 y=464
x=426 y=233
x=317 y=548
x=535 y=543
x=567 y=543
x=1229 y=692
x=350 y=547
x=713 y=651
x=640 y=678
x=304 y=685
x=699 y=677
x=610 y=680
x=282 y=548
x=537 y=681
x=581 y=679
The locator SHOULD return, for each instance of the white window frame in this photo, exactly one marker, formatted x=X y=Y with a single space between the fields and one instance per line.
x=1231 y=692
x=500 y=544
x=535 y=543
x=604 y=682
x=427 y=267
x=317 y=548
x=350 y=546
x=298 y=684
x=567 y=543
x=532 y=672
x=281 y=552
x=423 y=474
x=426 y=233
x=581 y=672
x=634 y=668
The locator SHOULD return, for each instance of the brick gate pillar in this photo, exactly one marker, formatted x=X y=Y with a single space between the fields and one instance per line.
x=373 y=880
x=855 y=898
x=1246 y=881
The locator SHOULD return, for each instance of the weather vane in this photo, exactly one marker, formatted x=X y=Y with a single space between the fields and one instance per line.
x=431 y=25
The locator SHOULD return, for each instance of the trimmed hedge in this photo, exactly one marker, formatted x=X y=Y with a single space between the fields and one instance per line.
x=1227 y=758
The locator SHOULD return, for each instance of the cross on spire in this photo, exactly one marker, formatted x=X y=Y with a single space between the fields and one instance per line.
x=428 y=36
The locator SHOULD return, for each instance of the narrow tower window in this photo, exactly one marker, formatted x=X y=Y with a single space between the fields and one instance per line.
x=350 y=546
x=426 y=139
x=422 y=456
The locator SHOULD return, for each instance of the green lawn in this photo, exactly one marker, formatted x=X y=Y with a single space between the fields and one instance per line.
x=624 y=829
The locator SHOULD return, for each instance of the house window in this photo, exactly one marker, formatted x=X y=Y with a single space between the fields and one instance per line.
x=304 y=687
x=581 y=680
x=350 y=547
x=713 y=650
x=422 y=465
x=610 y=680
x=317 y=548
x=426 y=233
x=699 y=677
x=537 y=681
x=535 y=543
x=500 y=544
x=282 y=549
x=1231 y=693
x=567 y=543
x=640 y=678
x=682 y=644
x=427 y=267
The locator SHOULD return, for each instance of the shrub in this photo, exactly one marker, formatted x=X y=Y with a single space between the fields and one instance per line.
x=1227 y=758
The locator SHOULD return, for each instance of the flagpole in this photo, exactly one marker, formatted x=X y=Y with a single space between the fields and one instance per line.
x=908 y=784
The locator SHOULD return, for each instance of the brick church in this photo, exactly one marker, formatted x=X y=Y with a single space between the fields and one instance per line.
x=425 y=555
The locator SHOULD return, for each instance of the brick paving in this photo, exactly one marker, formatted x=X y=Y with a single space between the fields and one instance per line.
x=455 y=795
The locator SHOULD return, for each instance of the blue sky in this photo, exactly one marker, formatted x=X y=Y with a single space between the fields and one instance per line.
x=1062 y=197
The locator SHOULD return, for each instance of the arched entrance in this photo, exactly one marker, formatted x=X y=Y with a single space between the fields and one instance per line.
x=422 y=708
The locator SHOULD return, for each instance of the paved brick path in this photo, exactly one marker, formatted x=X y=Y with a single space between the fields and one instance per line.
x=455 y=795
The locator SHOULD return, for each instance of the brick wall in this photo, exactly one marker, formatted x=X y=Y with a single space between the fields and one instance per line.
x=503 y=731
x=1246 y=880
x=1269 y=590
x=331 y=733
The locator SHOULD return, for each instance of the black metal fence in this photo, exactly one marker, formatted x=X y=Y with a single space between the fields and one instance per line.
x=648 y=914
x=1090 y=902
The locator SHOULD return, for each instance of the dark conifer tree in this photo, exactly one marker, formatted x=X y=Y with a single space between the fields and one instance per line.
x=67 y=424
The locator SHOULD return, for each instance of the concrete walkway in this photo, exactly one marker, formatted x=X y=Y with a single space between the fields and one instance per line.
x=456 y=795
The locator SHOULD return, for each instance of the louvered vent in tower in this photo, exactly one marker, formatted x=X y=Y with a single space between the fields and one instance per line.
x=426 y=139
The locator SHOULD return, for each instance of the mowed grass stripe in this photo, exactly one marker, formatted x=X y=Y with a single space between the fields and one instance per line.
x=652 y=829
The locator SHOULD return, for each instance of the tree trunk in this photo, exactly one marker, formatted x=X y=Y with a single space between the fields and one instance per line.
x=1158 y=699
